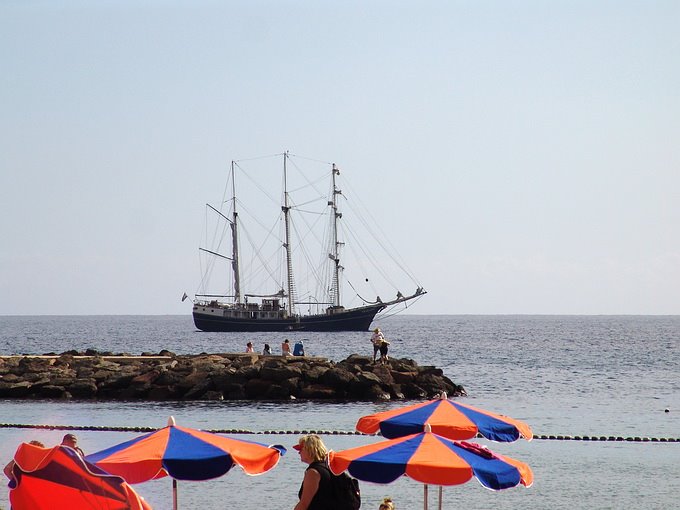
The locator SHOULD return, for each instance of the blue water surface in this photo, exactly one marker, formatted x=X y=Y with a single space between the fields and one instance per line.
x=564 y=375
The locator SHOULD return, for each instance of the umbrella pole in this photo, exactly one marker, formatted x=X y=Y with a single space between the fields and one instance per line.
x=441 y=490
x=425 y=497
x=174 y=494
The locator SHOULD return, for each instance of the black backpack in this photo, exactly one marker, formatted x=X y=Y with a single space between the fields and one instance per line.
x=346 y=494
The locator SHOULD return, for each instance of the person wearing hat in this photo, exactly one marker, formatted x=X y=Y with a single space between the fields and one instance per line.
x=71 y=441
x=316 y=491
x=377 y=339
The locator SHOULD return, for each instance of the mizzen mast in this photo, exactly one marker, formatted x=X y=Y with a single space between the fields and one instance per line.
x=335 y=256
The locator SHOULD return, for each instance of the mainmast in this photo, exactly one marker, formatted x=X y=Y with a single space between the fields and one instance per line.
x=234 y=241
x=335 y=256
x=289 y=259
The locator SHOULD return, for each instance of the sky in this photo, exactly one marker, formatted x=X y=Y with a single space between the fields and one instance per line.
x=522 y=156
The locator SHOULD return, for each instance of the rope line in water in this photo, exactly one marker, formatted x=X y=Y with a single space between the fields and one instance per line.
x=105 y=428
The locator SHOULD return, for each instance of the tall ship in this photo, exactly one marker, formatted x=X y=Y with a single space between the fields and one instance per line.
x=283 y=263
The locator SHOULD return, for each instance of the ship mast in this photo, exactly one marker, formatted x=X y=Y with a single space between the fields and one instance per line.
x=289 y=259
x=335 y=256
x=234 y=241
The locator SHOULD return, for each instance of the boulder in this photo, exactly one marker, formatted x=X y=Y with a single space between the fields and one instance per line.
x=218 y=376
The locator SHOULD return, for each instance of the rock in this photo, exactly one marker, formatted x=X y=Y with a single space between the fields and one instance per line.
x=19 y=389
x=83 y=389
x=375 y=392
x=278 y=374
x=50 y=391
x=338 y=378
x=166 y=376
x=318 y=392
x=315 y=373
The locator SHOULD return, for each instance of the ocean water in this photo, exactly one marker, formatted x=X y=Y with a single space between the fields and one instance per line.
x=564 y=375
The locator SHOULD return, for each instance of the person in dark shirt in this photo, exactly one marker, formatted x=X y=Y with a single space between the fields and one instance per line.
x=315 y=492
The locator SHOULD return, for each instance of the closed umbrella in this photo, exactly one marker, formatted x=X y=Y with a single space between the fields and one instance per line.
x=58 y=477
x=185 y=454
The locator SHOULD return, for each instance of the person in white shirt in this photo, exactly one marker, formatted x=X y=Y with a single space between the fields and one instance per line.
x=377 y=340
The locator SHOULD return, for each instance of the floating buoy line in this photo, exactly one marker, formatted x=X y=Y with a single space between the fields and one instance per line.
x=105 y=428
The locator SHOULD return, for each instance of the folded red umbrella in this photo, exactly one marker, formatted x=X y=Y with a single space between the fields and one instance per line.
x=54 y=478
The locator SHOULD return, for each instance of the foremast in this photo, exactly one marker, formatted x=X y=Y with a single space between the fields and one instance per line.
x=234 y=240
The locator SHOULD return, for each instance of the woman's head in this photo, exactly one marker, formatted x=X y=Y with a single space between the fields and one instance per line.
x=312 y=447
x=386 y=504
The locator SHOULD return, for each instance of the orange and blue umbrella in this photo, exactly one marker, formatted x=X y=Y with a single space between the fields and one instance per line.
x=185 y=454
x=446 y=418
x=431 y=459
x=49 y=478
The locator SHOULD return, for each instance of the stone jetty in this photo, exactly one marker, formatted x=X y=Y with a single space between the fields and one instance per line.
x=166 y=376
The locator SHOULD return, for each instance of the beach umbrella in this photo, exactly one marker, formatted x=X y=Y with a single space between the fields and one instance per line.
x=185 y=454
x=431 y=459
x=49 y=478
x=447 y=418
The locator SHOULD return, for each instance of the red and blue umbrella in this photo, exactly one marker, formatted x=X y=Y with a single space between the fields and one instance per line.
x=185 y=454
x=446 y=418
x=431 y=459
x=49 y=478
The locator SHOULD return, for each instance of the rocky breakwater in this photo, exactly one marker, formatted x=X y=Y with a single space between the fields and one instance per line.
x=166 y=376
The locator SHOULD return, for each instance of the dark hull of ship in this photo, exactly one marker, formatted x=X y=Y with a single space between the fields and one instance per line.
x=357 y=319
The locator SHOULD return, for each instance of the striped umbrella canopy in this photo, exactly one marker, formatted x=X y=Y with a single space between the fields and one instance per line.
x=58 y=477
x=447 y=418
x=185 y=454
x=431 y=459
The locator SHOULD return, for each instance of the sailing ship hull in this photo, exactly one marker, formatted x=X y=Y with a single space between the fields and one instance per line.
x=357 y=319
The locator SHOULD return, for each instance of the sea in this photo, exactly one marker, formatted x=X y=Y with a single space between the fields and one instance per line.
x=592 y=376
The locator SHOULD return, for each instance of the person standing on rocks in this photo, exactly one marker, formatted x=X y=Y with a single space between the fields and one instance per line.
x=376 y=339
x=384 y=345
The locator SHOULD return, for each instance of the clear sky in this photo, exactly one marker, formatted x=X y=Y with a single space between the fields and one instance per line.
x=523 y=155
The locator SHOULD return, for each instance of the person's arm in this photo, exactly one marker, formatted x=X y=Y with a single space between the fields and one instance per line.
x=310 y=484
x=8 y=470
